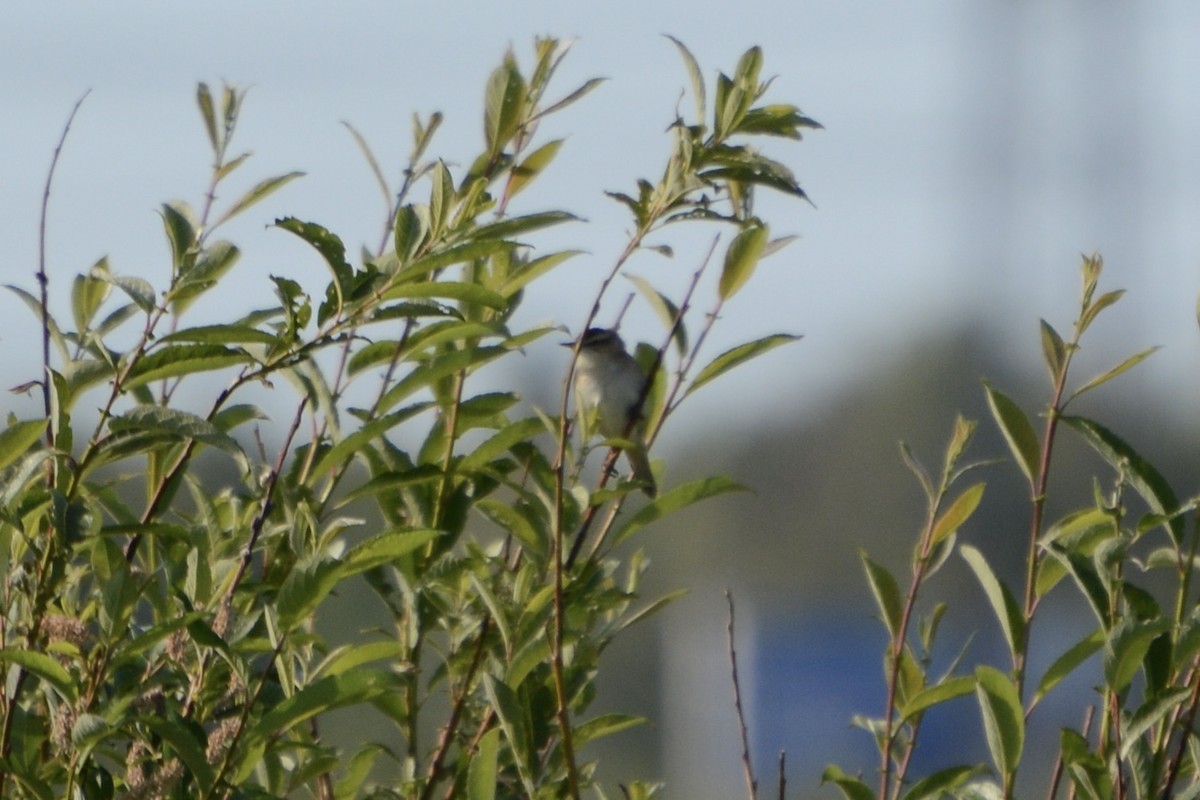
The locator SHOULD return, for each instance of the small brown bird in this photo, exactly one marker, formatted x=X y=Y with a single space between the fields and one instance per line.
x=608 y=388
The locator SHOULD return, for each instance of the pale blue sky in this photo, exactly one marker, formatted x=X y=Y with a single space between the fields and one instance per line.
x=972 y=151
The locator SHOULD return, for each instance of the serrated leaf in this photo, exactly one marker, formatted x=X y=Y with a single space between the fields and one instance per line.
x=741 y=258
x=957 y=514
x=1004 y=606
x=1065 y=664
x=1127 y=364
x=1003 y=718
x=1017 y=432
x=675 y=499
x=738 y=355
x=887 y=593
x=183 y=359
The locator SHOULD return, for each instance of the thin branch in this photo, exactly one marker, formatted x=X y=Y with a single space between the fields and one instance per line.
x=782 y=775
x=747 y=767
x=43 y=278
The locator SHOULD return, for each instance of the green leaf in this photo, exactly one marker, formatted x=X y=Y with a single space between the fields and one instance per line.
x=509 y=710
x=178 y=424
x=741 y=258
x=352 y=656
x=851 y=788
x=695 y=76
x=183 y=359
x=1126 y=647
x=44 y=667
x=1065 y=664
x=88 y=293
x=524 y=173
x=482 y=770
x=503 y=103
x=1009 y=614
x=887 y=593
x=524 y=273
x=305 y=588
x=181 y=234
x=502 y=441
x=357 y=442
x=139 y=290
x=677 y=498
x=517 y=226
x=333 y=691
x=1053 y=350
x=1003 y=718
x=1141 y=474
x=261 y=190
x=1017 y=431
x=209 y=115
x=18 y=437
x=437 y=368
x=606 y=725
x=739 y=355
x=1127 y=364
x=667 y=311
x=937 y=694
x=384 y=548
x=957 y=514
x=1102 y=302
x=222 y=334
x=458 y=254
x=191 y=750
x=941 y=784
x=514 y=521
x=464 y=292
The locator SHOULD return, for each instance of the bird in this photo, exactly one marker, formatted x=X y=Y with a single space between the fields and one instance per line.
x=609 y=386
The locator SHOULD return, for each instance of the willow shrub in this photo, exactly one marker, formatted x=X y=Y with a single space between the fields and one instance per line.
x=158 y=630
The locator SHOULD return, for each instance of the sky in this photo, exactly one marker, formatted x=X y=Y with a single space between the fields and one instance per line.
x=971 y=153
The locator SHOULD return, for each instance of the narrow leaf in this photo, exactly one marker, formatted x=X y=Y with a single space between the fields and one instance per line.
x=1017 y=431
x=887 y=594
x=937 y=694
x=1053 y=350
x=666 y=310
x=696 y=77
x=677 y=498
x=739 y=355
x=18 y=437
x=1003 y=719
x=1065 y=664
x=261 y=190
x=482 y=770
x=44 y=667
x=385 y=548
x=1127 y=364
x=1003 y=604
x=741 y=258
x=957 y=514
x=184 y=359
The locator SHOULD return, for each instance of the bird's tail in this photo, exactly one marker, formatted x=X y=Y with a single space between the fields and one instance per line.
x=639 y=460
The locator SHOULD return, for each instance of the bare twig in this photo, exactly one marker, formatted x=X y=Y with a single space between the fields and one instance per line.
x=782 y=775
x=747 y=767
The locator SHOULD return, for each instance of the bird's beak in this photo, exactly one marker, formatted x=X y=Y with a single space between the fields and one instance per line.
x=566 y=344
